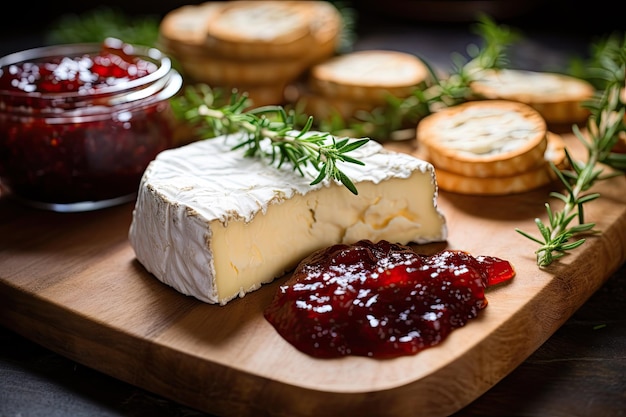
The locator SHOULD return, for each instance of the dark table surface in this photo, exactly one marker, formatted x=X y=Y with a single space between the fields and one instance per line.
x=579 y=371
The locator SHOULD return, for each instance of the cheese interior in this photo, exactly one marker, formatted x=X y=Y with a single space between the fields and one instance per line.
x=246 y=254
x=216 y=225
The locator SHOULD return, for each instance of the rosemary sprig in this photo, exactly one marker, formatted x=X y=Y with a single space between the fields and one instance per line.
x=201 y=106
x=610 y=48
x=455 y=88
x=604 y=126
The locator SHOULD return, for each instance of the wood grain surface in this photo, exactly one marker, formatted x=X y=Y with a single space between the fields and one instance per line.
x=70 y=282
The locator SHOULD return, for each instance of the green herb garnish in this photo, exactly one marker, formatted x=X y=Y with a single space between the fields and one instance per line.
x=604 y=126
x=203 y=108
x=103 y=22
x=349 y=18
x=493 y=54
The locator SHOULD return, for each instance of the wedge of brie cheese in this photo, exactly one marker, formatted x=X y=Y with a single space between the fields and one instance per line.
x=215 y=225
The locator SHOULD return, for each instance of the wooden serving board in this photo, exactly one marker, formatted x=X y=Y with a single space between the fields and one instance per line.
x=71 y=283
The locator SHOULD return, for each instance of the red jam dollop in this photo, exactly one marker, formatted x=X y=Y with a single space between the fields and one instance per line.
x=381 y=300
x=80 y=123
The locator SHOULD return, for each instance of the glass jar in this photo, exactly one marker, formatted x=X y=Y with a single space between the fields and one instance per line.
x=79 y=123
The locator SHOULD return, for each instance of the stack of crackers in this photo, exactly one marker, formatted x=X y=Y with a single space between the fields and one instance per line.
x=257 y=47
x=490 y=147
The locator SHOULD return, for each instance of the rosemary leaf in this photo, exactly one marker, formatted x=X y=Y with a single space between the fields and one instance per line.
x=605 y=125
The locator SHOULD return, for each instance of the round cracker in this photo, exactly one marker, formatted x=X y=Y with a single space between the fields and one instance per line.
x=529 y=180
x=559 y=98
x=490 y=138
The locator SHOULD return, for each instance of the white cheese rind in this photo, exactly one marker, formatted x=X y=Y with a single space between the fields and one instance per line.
x=216 y=225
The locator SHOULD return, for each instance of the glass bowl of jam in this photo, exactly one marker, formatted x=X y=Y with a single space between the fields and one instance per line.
x=79 y=123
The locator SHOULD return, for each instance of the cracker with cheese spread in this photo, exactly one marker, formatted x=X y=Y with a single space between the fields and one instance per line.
x=559 y=98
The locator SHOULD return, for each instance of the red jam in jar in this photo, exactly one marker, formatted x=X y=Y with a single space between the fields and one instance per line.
x=80 y=123
x=381 y=300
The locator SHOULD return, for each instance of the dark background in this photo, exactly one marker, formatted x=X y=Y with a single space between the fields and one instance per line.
x=24 y=27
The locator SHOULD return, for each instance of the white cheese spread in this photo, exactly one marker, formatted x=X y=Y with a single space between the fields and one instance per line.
x=484 y=131
x=260 y=21
x=510 y=83
x=376 y=68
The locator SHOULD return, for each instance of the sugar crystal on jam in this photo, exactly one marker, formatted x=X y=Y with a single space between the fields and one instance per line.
x=381 y=299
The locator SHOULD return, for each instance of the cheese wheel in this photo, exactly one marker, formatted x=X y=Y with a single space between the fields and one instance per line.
x=557 y=97
x=534 y=178
x=490 y=138
x=370 y=75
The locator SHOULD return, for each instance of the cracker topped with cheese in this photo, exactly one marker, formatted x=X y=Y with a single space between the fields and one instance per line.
x=358 y=81
x=260 y=29
x=216 y=225
x=559 y=98
x=535 y=177
x=490 y=147
x=488 y=138
x=370 y=75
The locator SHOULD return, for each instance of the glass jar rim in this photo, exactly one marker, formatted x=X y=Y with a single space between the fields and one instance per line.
x=164 y=66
